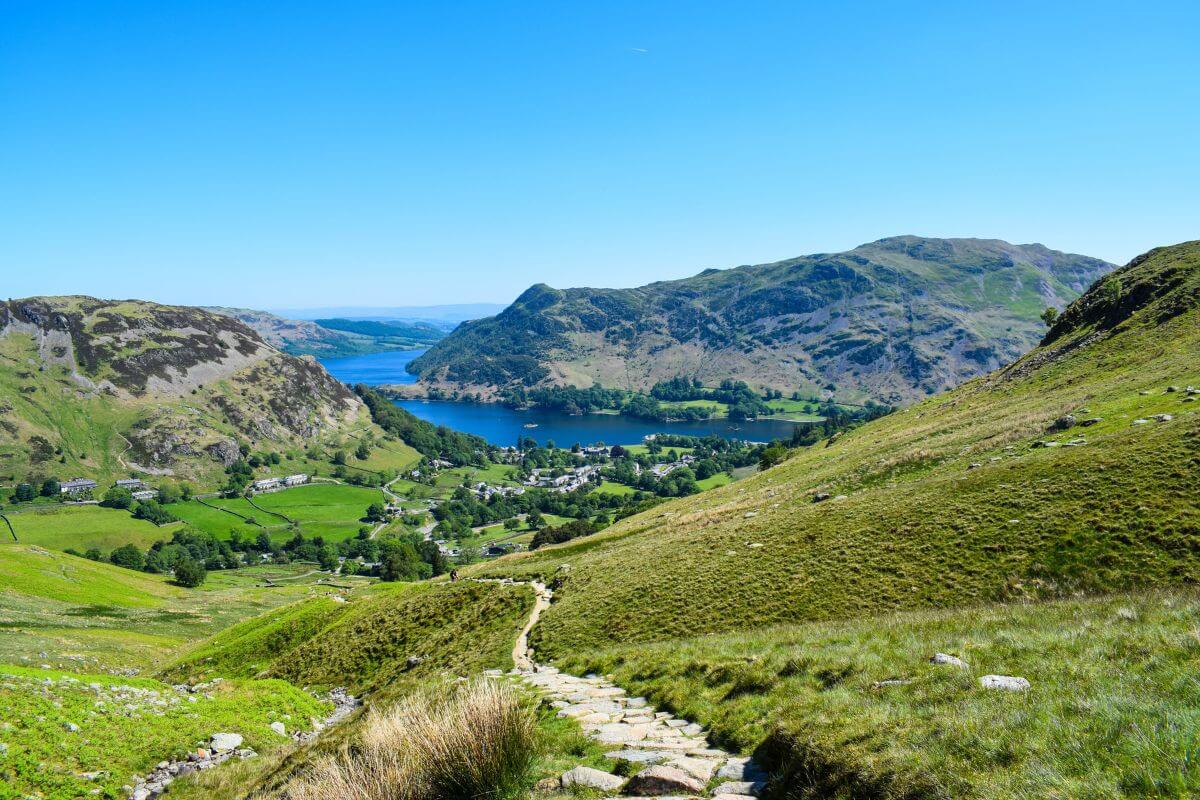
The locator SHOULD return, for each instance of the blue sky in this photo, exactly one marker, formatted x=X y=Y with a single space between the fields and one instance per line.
x=361 y=153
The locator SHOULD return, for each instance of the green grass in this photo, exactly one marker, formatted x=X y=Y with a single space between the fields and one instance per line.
x=83 y=527
x=77 y=614
x=455 y=628
x=612 y=487
x=332 y=511
x=642 y=450
x=1112 y=712
x=713 y=481
x=126 y=726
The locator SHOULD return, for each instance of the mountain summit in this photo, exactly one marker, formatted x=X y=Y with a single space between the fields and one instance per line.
x=893 y=320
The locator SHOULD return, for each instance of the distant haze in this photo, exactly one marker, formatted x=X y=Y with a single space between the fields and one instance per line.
x=454 y=312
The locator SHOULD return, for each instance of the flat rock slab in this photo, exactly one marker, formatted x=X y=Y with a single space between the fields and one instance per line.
x=745 y=788
x=742 y=769
x=661 y=780
x=699 y=768
x=591 y=779
x=640 y=756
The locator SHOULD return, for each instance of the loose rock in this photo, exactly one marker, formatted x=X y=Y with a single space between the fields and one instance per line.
x=1007 y=683
x=591 y=779
x=662 y=780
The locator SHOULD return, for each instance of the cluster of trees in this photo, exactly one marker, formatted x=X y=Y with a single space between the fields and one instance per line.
x=190 y=554
x=836 y=419
x=563 y=533
x=432 y=441
x=568 y=399
x=149 y=510
x=744 y=403
x=464 y=511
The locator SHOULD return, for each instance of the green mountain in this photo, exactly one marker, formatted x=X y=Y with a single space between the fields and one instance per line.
x=894 y=320
x=103 y=388
x=334 y=338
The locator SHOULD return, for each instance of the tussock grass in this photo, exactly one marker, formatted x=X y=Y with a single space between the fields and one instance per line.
x=1112 y=712
x=477 y=741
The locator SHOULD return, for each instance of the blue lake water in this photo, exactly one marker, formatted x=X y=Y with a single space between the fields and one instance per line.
x=374 y=369
x=502 y=426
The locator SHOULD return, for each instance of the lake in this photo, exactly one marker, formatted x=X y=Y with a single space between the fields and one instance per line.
x=373 y=369
x=501 y=426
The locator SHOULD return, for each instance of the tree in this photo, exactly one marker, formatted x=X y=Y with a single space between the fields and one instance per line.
x=1049 y=316
x=362 y=452
x=190 y=573
x=535 y=520
x=512 y=524
x=327 y=558
x=24 y=493
x=51 y=488
x=775 y=454
x=376 y=512
x=169 y=493
x=128 y=556
x=94 y=554
x=117 y=497
x=339 y=458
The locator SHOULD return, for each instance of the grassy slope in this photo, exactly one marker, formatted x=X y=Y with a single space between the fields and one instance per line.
x=947 y=505
x=78 y=614
x=46 y=760
x=364 y=644
x=83 y=527
x=919 y=526
x=1112 y=711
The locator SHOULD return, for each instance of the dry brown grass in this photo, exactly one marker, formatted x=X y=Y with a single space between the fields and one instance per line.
x=477 y=740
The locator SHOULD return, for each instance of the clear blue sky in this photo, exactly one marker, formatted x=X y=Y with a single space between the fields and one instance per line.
x=375 y=153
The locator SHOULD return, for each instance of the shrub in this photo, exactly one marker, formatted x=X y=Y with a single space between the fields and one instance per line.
x=477 y=741
x=190 y=573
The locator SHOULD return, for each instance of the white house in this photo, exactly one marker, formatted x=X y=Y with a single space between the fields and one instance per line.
x=266 y=483
x=295 y=480
x=77 y=486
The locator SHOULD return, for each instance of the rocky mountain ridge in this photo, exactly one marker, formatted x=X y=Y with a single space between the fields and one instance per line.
x=893 y=320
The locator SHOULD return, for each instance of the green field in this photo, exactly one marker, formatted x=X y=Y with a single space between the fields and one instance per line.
x=612 y=487
x=82 y=527
x=86 y=615
x=713 y=481
x=332 y=511
x=644 y=450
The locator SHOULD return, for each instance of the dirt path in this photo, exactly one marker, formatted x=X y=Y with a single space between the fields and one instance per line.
x=676 y=753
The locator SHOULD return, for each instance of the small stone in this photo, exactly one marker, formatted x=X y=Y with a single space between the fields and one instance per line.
x=662 y=780
x=750 y=515
x=1162 y=417
x=591 y=779
x=221 y=742
x=72 y=727
x=1087 y=423
x=947 y=660
x=279 y=728
x=1063 y=423
x=740 y=787
x=820 y=497
x=1007 y=683
x=1140 y=421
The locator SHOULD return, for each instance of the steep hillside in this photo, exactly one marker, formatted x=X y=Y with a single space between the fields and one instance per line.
x=894 y=320
x=989 y=492
x=101 y=388
x=334 y=338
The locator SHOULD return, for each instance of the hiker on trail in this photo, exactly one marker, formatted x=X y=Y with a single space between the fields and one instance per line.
x=453 y=574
